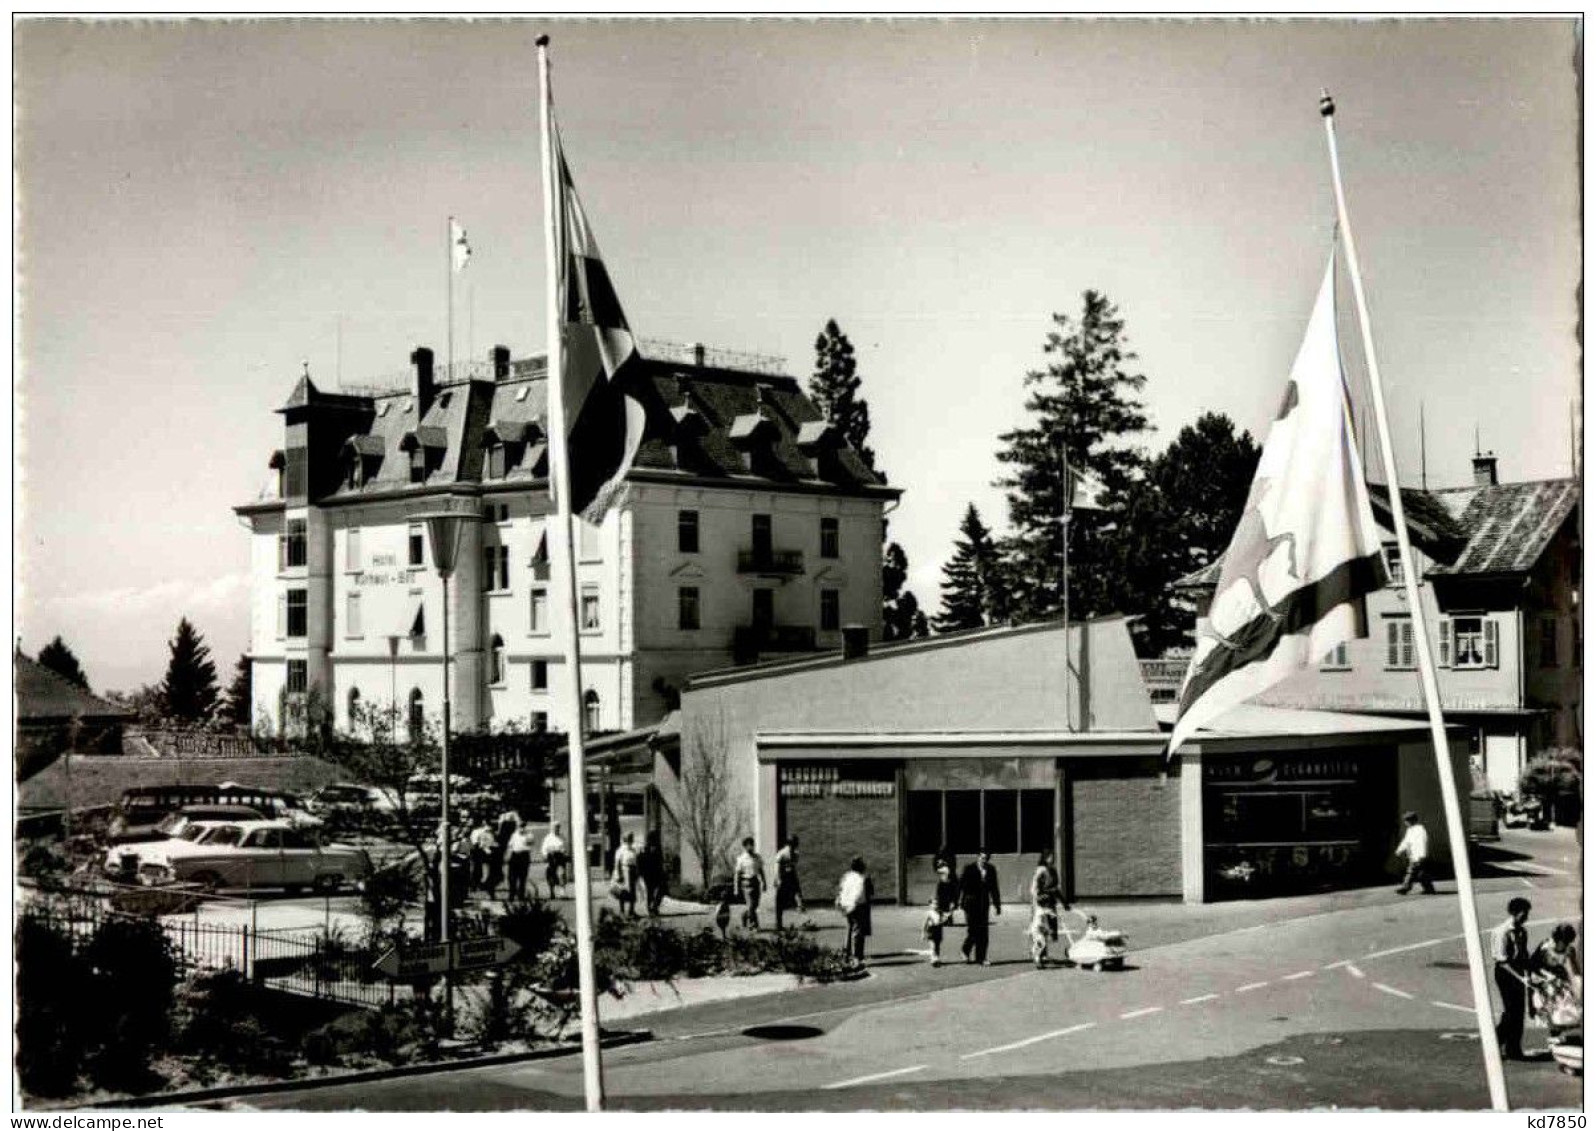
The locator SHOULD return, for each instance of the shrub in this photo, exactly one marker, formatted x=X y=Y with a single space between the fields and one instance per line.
x=386 y=893
x=532 y=923
x=392 y=1034
x=135 y=975
x=224 y=1028
x=52 y=1026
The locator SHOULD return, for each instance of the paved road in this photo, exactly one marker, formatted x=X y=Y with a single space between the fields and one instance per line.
x=1356 y=999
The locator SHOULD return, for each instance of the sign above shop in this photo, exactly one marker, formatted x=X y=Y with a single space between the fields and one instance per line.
x=1264 y=770
x=832 y=781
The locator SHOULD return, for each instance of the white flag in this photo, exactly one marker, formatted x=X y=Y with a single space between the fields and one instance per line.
x=1084 y=493
x=1306 y=550
x=459 y=248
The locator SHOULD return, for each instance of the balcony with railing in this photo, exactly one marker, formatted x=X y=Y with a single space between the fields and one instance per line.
x=753 y=640
x=771 y=563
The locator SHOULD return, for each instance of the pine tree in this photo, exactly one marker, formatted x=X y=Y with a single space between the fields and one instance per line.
x=188 y=693
x=59 y=658
x=973 y=591
x=238 y=706
x=1084 y=407
x=1178 y=519
x=901 y=617
x=835 y=388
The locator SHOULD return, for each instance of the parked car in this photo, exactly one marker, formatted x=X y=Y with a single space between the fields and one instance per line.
x=143 y=807
x=251 y=855
x=174 y=823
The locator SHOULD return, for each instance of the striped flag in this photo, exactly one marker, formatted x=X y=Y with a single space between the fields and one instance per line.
x=1085 y=493
x=604 y=417
x=1306 y=550
x=459 y=249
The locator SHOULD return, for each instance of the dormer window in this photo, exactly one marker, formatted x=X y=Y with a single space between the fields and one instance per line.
x=754 y=436
x=418 y=464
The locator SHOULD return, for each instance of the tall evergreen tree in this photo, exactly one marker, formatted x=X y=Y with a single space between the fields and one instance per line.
x=189 y=692
x=1084 y=408
x=835 y=388
x=59 y=658
x=973 y=588
x=238 y=707
x=901 y=616
x=1178 y=518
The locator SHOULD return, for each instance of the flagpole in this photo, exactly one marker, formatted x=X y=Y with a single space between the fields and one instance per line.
x=560 y=470
x=1064 y=599
x=1421 y=640
x=448 y=270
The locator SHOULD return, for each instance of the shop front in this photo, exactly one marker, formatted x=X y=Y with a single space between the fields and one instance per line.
x=1279 y=824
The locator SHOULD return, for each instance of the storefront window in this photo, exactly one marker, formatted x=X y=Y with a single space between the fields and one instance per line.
x=1002 y=830
x=962 y=820
x=1036 y=820
x=1004 y=821
x=923 y=834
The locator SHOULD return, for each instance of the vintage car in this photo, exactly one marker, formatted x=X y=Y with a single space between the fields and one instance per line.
x=243 y=855
x=173 y=824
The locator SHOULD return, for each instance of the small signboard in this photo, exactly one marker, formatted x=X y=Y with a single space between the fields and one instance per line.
x=440 y=958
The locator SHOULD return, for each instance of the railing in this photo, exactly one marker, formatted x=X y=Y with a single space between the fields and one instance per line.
x=752 y=639
x=200 y=743
x=690 y=353
x=782 y=562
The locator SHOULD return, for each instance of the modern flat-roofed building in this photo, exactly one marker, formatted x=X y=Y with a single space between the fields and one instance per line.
x=749 y=527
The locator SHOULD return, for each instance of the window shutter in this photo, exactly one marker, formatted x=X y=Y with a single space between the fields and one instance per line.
x=1490 y=641
x=1444 y=628
x=282 y=615
x=1407 y=644
x=1393 y=656
x=352 y=550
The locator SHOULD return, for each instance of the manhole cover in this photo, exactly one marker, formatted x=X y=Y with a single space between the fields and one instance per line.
x=1460 y=1036
x=783 y=1032
x=1284 y=1061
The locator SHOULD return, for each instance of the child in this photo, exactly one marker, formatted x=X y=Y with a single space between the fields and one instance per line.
x=940 y=911
x=723 y=913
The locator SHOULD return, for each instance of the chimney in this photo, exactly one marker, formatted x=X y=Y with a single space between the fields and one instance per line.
x=855 y=641
x=698 y=354
x=501 y=362
x=421 y=383
x=1485 y=470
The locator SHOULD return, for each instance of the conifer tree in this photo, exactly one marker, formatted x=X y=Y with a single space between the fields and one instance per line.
x=973 y=591
x=1084 y=408
x=188 y=693
x=835 y=388
x=59 y=658
x=238 y=706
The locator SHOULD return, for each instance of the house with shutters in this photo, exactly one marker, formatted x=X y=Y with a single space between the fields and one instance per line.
x=749 y=528
x=1499 y=580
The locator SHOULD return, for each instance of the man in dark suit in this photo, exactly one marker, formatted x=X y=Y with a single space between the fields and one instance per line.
x=978 y=890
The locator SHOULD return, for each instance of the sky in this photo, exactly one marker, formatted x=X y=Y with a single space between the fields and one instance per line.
x=204 y=206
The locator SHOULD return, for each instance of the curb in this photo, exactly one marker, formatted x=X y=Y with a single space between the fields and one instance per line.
x=616 y=1040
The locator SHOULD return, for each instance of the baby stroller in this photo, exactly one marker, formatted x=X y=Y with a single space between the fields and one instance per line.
x=1096 y=948
x=1554 y=1002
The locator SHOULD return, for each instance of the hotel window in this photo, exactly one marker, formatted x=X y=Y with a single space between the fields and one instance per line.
x=298 y=677
x=540 y=722
x=352 y=548
x=495 y=567
x=1393 y=562
x=590 y=709
x=540 y=675
x=687 y=607
x=1473 y=642
x=496 y=461
x=762 y=537
x=418 y=540
x=539 y=617
x=296 y=612
x=291 y=545
x=828 y=538
x=687 y=532
x=590 y=610
x=352 y=616
x=1335 y=659
x=1548 y=642
x=830 y=610
x=764 y=607
x=418 y=464
x=496 y=660
x=1398 y=643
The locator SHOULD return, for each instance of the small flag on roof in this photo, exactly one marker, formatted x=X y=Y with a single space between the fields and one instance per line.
x=604 y=418
x=1306 y=551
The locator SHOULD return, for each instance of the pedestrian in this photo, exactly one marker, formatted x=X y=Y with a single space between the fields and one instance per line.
x=853 y=897
x=651 y=867
x=553 y=849
x=481 y=850
x=748 y=873
x=978 y=893
x=1045 y=901
x=939 y=916
x=946 y=857
x=1510 y=953
x=1415 y=847
x=723 y=912
x=508 y=822
x=788 y=894
x=623 y=881
x=1557 y=956
x=518 y=858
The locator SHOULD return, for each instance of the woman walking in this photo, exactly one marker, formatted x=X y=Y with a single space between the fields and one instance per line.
x=939 y=916
x=1045 y=902
x=853 y=897
x=623 y=881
